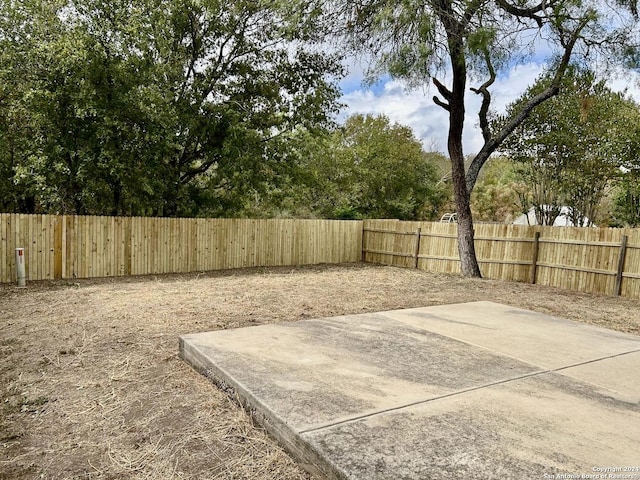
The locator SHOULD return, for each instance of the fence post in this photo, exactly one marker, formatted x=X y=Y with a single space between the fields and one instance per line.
x=534 y=264
x=58 y=249
x=621 y=259
x=362 y=244
x=418 y=232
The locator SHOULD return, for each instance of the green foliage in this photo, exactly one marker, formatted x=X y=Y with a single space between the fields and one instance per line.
x=498 y=194
x=415 y=41
x=626 y=194
x=375 y=169
x=368 y=168
x=570 y=149
x=153 y=108
x=626 y=208
x=479 y=41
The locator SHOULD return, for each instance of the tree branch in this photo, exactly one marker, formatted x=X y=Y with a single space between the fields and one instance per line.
x=442 y=104
x=469 y=13
x=486 y=98
x=444 y=91
x=189 y=174
x=496 y=140
x=530 y=12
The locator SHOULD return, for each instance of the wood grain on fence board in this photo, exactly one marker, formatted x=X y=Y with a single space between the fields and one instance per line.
x=584 y=259
x=59 y=247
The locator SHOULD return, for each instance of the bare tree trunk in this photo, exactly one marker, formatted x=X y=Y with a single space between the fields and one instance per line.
x=466 y=247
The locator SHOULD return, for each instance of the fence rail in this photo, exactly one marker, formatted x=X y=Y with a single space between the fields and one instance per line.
x=59 y=247
x=592 y=260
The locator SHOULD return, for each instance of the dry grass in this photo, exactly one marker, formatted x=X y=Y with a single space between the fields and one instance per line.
x=91 y=386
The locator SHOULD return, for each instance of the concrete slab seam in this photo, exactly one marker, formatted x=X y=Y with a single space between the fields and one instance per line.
x=421 y=402
x=587 y=362
x=462 y=340
x=457 y=393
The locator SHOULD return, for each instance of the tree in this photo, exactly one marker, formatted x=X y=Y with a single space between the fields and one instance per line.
x=572 y=147
x=498 y=192
x=626 y=211
x=626 y=198
x=153 y=107
x=368 y=168
x=472 y=39
x=377 y=169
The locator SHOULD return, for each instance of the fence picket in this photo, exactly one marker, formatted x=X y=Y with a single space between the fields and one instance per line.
x=85 y=247
x=591 y=260
x=572 y=258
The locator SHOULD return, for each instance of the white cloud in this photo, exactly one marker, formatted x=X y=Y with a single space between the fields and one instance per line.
x=509 y=88
x=429 y=122
x=415 y=108
x=629 y=83
x=411 y=108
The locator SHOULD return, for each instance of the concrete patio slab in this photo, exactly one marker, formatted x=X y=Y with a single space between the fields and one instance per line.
x=475 y=390
x=535 y=338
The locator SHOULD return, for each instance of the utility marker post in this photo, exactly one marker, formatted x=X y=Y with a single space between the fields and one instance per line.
x=20 y=269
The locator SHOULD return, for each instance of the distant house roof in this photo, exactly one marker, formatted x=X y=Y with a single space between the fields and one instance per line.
x=562 y=220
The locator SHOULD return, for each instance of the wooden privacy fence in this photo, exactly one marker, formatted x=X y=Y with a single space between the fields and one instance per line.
x=58 y=247
x=593 y=260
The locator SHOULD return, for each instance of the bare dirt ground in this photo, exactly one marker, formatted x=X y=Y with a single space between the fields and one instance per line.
x=91 y=386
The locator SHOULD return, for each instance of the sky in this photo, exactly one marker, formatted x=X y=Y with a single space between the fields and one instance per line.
x=415 y=108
